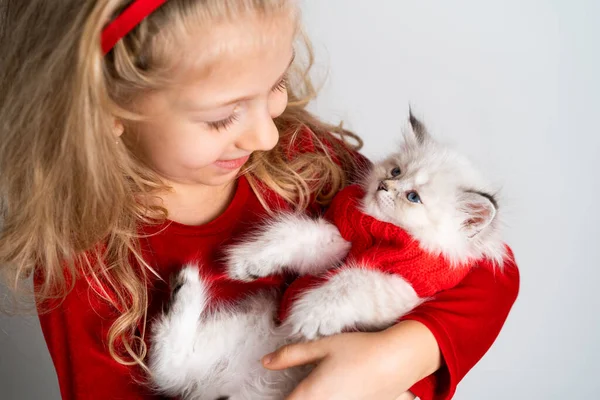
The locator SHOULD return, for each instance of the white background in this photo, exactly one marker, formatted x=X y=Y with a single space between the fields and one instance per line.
x=512 y=83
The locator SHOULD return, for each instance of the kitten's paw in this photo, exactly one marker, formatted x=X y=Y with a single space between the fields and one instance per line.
x=320 y=312
x=333 y=248
x=245 y=269
x=250 y=261
x=314 y=324
x=188 y=291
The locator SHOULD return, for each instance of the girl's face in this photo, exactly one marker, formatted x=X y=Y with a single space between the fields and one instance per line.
x=202 y=130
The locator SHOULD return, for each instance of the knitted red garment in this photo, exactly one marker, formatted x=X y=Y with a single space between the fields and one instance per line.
x=381 y=246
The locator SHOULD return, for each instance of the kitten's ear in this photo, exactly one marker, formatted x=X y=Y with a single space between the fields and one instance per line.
x=418 y=130
x=479 y=210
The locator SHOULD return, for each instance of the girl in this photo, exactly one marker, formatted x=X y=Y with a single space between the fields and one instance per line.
x=139 y=135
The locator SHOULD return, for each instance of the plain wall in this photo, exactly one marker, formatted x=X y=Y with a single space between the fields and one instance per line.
x=514 y=85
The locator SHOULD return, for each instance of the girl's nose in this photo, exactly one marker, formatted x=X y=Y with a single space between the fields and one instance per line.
x=262 y=135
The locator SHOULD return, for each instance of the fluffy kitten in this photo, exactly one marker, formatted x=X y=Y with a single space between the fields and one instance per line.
x=420 y=220
x=426 y=198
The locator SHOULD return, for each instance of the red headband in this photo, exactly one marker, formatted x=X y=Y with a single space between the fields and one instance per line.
x=126 y=21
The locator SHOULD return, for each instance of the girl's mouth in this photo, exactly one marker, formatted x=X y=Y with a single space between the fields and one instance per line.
x=232 y=164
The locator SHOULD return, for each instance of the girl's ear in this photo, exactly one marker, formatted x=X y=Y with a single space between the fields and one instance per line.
x=417 y=131
x=118 y=128
x=478 y=210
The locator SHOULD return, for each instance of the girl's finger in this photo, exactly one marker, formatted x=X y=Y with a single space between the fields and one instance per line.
x=406 y=396
x=294 y=355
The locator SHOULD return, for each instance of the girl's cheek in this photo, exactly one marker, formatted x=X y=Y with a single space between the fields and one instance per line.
x=199 y=151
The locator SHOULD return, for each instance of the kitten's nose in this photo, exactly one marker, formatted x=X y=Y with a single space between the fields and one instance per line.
x=382 y=186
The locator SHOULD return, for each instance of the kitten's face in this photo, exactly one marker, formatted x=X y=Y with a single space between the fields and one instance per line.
x=430 y=191
x=415 y=188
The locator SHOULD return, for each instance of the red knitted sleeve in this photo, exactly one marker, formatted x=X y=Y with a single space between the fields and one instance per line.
x=75 y=333
x=465 y=321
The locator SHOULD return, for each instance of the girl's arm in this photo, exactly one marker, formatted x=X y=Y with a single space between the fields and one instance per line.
x=75 y=332
x=466 y=321
x=428 y=352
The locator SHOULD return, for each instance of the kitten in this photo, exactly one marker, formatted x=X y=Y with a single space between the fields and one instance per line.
x=419 y=221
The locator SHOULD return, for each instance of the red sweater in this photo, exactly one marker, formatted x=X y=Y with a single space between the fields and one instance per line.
x=465 y=320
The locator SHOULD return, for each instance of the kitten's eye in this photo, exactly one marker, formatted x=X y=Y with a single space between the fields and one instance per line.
x=396 y=172
x=413 y=197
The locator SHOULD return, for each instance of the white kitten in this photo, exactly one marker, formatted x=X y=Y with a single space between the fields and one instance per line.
x=427 y=189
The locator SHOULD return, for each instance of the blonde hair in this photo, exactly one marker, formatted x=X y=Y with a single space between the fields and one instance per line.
x=70 y=194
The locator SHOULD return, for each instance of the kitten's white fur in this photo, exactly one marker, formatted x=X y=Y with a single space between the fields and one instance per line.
x=204 y=355
x=308 y=246
x=201 y=354
x=356 y=297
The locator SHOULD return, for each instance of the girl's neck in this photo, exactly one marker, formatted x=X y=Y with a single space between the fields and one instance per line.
x=197 y=204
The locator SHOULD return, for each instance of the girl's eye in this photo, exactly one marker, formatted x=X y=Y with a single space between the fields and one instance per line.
x=281 y=86
x=396 y=172
x=224 y=123
x=413 y=197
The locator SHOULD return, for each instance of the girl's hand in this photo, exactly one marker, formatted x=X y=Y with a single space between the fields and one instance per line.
x=406 y=396
x=362 y=366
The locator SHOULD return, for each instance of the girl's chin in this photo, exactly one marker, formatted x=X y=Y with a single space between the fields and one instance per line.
x=220 y=178
x=207 y=176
